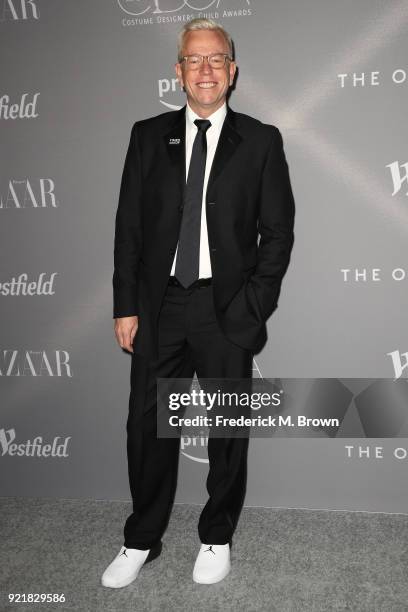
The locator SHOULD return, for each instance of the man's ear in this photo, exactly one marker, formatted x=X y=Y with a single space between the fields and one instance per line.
x=233 y=75
x=179 y=75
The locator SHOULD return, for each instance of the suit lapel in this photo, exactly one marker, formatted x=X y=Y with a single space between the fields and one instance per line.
x=227 y=143
x=175 y=142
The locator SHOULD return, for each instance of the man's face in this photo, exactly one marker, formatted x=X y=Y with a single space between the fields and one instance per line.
x=206 y=87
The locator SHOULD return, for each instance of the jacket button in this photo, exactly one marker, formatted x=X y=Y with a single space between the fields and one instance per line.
x=211 y=203
x=181 y=208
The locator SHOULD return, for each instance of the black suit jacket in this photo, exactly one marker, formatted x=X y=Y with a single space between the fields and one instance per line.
x=248 y=193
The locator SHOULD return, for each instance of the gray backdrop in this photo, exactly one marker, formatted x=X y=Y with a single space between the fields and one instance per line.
x=74 y=76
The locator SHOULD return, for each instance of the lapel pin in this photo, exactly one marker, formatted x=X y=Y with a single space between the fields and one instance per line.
x=174 y=141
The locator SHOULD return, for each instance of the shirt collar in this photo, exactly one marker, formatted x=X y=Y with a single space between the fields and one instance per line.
x=216 y=118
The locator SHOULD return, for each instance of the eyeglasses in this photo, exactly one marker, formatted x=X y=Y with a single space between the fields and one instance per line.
x=215 y=60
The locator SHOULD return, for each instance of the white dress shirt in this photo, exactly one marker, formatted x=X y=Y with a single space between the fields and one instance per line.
x=213 y=134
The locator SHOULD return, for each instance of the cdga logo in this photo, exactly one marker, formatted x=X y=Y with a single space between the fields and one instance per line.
x=133 y=7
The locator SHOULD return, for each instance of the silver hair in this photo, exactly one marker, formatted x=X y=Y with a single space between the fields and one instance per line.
x=202 y=24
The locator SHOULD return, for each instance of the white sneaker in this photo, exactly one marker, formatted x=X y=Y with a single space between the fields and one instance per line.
x=212 y=563
x=126 y=566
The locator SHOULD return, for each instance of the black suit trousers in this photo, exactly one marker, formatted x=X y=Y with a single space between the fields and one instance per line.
x=190 y=341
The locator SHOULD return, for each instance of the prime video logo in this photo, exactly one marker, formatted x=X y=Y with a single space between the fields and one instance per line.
x=167 y=86
x=198 y=444
x=194 y=443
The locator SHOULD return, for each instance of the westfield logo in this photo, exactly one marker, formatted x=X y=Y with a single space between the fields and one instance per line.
x=24 y=108
x=34 y=448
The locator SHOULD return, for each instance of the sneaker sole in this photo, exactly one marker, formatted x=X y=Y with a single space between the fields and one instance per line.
x=215 y=580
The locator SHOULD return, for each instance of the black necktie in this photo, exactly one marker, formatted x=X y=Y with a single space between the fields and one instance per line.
x=188 y=251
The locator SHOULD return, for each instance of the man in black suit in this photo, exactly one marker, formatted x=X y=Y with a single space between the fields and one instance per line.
x=193 y=289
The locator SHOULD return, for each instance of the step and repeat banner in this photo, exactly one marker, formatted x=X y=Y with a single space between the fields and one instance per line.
x=333 y=77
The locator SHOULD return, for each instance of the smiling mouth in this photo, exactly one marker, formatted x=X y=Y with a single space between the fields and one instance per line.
x=206 y=84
